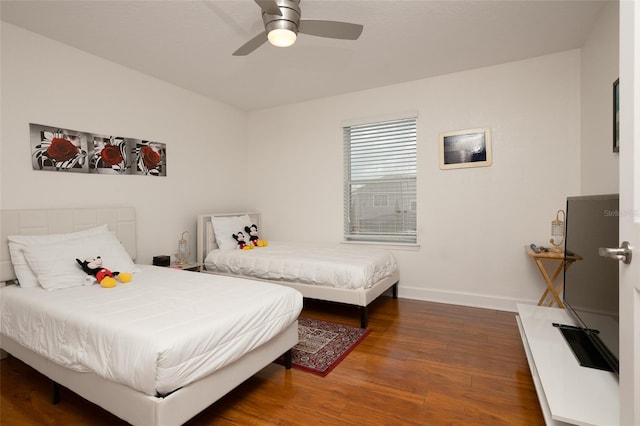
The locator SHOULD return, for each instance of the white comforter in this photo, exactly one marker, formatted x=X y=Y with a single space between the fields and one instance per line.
x=349 y=267
x=162 y=331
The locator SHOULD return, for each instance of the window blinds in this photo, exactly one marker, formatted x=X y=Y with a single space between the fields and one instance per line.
x=380 y=181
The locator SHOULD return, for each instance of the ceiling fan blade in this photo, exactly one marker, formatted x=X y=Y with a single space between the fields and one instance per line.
x=330 y=29
x=269 y=6
x=251 y=45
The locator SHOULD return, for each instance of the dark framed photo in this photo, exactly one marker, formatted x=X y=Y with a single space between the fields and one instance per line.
x=616 y=116
x=465 y=148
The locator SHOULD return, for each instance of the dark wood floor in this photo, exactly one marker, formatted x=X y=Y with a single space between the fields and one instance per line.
x=423 y=364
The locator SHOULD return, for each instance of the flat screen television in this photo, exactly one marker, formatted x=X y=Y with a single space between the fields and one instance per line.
x=591 y=283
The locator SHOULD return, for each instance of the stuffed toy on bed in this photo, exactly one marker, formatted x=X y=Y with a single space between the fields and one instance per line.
x=253 y=236
x=106 y=278
x=242 y=242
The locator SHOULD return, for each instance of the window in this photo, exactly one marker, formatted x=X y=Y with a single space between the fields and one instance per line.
x=380 y=181
x=380 y=200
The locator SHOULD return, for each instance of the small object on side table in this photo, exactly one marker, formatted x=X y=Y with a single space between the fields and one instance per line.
x=196 y=267
x=162 y=260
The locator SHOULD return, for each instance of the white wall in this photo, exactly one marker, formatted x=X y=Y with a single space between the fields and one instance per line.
x=599 y=165
x=473 y=224
x=49 y=83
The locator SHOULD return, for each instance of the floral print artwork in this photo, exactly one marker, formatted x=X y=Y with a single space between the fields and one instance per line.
x=110 y=155
x=56 y=149
x=69 y=150
x=151 y=158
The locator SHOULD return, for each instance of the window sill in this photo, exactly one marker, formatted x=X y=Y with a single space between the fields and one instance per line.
x=389 y=246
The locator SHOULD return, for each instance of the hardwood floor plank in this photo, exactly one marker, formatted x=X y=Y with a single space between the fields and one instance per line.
x=422 y=363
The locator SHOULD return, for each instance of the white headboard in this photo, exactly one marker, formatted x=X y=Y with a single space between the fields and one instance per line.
x=120 y=220
x=206 y=240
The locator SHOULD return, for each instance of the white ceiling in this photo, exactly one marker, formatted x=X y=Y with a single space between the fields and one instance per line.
x=189 y=42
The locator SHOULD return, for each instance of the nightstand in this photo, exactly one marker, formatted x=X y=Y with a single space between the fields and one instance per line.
x=563 y=263
x=196 y=267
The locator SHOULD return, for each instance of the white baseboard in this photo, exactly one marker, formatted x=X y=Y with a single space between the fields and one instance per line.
x=464 y=299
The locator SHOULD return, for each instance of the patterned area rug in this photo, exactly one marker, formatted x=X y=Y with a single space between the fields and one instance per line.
x=322 y=345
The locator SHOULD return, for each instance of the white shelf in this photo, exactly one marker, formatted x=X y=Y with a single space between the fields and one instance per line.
x=568 y=392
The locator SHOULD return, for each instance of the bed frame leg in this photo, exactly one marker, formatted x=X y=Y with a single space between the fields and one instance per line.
x=364 y=317
x=55 y=392
x=287 y=359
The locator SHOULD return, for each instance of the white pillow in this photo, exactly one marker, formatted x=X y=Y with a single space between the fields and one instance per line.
x=18 y=243
x=55 y=264
x=225 y=226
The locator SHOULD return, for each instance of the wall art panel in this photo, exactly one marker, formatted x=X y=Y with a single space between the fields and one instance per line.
x=58 y=149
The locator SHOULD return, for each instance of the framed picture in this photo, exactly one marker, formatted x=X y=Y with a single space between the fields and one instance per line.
x=57 y=149
x=465 y=148
x=66 y=150
x=616 y=115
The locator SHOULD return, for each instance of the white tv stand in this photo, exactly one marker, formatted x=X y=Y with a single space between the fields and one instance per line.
x=568 y=392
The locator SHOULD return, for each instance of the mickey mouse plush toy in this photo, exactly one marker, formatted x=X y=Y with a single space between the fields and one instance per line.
x=253 y=234
x=242 y=243
x=106 y=278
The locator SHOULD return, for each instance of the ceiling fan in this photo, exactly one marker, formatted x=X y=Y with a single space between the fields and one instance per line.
x=282 y=24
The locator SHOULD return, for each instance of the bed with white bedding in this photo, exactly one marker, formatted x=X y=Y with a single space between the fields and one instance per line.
x=354 y=275
x=154 y=351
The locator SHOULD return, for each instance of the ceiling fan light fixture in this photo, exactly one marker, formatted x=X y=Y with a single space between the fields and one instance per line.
x=282 y=22
x=282 y=30
x=282 y=37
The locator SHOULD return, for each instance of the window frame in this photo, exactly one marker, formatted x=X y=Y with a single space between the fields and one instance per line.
x=404 y=137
